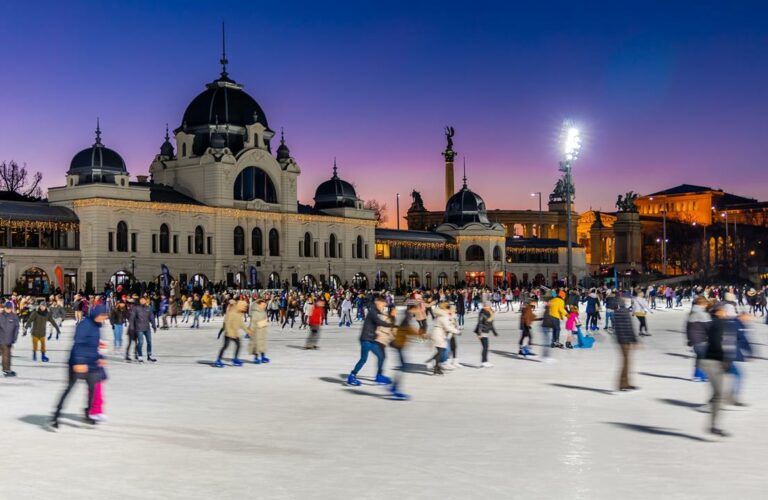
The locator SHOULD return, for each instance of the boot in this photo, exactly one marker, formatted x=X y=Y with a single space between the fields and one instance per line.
x=438 y=369
x=34 y=355
x=264 y=359
x=43 y=358
x=352 y=380
x=568 y=345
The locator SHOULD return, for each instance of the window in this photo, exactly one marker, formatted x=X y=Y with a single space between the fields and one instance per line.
x=199 y=235
x=154 y=243
x=315 y=253
x=122 y=237
x=325 y=252
x=475 y=253
x=189 y=244
x=239 y=241
x=366 y=250
x=497 y=253
x=274 y=243
x=165 y=237
x=254 y=184
x=134 y=242
x=175 y=243
x=332 y=246
x=184 y=150
x=209 y=244
x=359 y=247
x=307 y=245
x=110 y=243
x=257 y=247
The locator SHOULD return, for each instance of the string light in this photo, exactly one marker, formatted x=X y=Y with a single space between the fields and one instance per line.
x=35 y=225
x=418 y=244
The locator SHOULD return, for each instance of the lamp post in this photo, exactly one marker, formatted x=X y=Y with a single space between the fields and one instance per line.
x=664 y=240
x=133 y=268
x=571 y=142
x=398 y=211
x=541 y=227
x=2 y=274
x=329 y=275
x=727 y=246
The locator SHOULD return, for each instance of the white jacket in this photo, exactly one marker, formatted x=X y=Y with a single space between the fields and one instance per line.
x=442 y=328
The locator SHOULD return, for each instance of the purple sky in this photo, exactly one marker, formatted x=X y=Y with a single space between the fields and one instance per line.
x=665 y=95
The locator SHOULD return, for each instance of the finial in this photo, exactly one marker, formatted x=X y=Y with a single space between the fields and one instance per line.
x=98 y=131
x=465 y=171
x=223 y=59
x=335 y=176
x=167 y=137
x=282 y=136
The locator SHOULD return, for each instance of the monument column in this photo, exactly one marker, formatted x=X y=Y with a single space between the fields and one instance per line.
x=449 y=155
x=628 y=244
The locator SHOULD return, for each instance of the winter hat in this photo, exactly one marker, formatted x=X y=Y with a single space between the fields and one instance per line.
x=9 y=304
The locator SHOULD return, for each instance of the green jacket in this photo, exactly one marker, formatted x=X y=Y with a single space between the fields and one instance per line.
x=37 y=320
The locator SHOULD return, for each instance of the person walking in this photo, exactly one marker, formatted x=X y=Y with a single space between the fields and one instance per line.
x=37 y=322
x=141 y=320
x=377 y=318
x=9 y=333
x=118 y=317
x=233 y=325
x=84 y=360
x=624 y=330
x=483 y=328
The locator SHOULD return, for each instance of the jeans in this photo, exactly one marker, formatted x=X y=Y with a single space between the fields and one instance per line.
x=367 y=346
x=460 y=318
x=146 y=334
x=118 y=334
x=484 y=343
x=91 y=378
x=195 y=319
x=555 y=331
x=608 y=318
x=207 y=314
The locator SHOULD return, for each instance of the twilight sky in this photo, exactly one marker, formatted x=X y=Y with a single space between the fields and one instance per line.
x=666 y=92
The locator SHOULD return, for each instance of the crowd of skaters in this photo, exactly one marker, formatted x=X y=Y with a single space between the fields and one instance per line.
x=716 y=332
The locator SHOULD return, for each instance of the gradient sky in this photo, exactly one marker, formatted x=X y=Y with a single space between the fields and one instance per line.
x=666 y=92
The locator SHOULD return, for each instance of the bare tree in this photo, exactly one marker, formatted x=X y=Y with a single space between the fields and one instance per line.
x=16 y=178
x=378 y=209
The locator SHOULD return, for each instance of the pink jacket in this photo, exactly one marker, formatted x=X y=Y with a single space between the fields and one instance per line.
x=572 y=321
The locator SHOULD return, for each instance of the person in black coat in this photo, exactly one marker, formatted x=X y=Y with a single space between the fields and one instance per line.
x=9 y=333
x=624 y=329
x=85 y=362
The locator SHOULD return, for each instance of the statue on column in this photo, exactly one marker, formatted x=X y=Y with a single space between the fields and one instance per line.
x=627 y=203
x=449 y=153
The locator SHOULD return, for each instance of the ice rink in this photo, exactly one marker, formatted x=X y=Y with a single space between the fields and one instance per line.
x=180 y=428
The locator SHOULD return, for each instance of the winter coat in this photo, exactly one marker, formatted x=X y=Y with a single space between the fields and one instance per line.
x=696 y=328
x=527 y=317
x=640 y=306
x=85 y=350
x=557 y=308
x=233 y=323
x=9 y=328
x=118 y=315
x=485 y=324
x=624 y=328
x=371 y=323
x=38 y=320
x=572 y=321
x=592 y=304
x=442 y=328
x=141 y=319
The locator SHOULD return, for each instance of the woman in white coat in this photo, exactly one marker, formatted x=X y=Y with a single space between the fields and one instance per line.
x=442 y=328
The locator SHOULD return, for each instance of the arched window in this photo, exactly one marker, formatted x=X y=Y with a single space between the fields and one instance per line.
x=475 y=252
x=199 y=240
x=274 y=243
x=254 y=184
x=359 y=247
x=497 y=253
x=239 y=241
x=122 y=237
x=257 y=247
x=165 y=239
x=332 y=246
x=307 y=245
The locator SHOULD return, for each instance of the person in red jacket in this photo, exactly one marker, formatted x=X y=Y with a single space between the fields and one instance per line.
x=315 y=320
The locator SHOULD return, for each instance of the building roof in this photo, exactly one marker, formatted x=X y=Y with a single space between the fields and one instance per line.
x=224 y=102
x=419 y=236
x=36 y=211
x=538 y=243
x=465 y=207
x=683 y=189
x=335 y=193
x=160 y=193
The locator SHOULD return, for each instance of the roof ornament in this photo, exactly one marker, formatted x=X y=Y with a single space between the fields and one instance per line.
x=98 y=133
x=167 y=137
x=465 y=172
x=335 y=175
x=224 y=61
x=282 y=136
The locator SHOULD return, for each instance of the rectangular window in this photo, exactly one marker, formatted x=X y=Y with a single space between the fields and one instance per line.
x=189 y=244
x=210 y=245
x=134 y=244
x=175 y=243
x=325 y=250
x=366 y=253
x=353 y=250
x=340 y=253
x=111 y=242
x=301 y=249
x=315 y=249
x=154 y=243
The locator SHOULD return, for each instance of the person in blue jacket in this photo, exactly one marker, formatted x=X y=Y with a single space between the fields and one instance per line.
x=85 y=362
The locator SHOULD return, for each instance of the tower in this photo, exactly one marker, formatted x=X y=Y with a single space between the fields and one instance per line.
x=449 y=155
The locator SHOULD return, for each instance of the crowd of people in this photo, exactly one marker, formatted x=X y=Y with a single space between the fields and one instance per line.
x=716 y=331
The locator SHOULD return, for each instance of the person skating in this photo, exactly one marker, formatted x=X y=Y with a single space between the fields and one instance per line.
x=375 y=319
x=442 y=328
x=699 y=321
x=316 y=318
x=556 y=312
x=233 y=325
x=84 y=360
x=37 y=323
x=258 y=325
x=624 y=330
x=527 y=317
x=9 y=333
x=141 y=320
x=714 y=362
x=483 y=328
x=640 y=309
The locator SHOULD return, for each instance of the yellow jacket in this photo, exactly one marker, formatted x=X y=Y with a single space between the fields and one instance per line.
x=206 y=300
x=233 y=323
x=557 y=308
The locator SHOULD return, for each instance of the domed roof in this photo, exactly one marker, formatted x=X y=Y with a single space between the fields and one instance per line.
x=465 y=207
x=335 y=193
x=226 y=100
x=166 y=148
x=97 y=159
x=283 y=153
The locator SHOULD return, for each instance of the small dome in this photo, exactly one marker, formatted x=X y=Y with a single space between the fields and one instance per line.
x=97 y=163
x=465 y=207
x=335 y=193
x=166 y=149
x=283 y=153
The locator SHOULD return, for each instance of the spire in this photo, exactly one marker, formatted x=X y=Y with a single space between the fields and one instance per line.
x=98 y=133
x=282 y=136
x=335 y=175
x=167 y=137
x=223 y=59
x=465 y=172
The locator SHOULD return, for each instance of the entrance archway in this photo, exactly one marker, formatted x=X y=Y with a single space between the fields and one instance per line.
x=360 y=281
x=35 y=281
x=413 y=280
x=442 y=280
x=334 y=282
x=121 y=278
x=274 y=280
x=382 y=280
x=309 y=281
x=241 y=280
x=539 y=280
x=199 y=281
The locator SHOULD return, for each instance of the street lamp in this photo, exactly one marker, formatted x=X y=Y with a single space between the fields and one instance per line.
x=727 y=246
x=398 y=211
x=133 y=268
x=571 y=143
x=538 y=233
x=330 y=286
x=2 y=274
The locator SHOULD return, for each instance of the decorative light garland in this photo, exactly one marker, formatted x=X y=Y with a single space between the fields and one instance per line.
x=531 y=250
x=39 y=225
x=418 y=244
x=227 y=212
x=497 y=239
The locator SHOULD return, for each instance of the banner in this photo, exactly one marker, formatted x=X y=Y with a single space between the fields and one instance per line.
x=253 y=276
x=165 y=276
x=59 y=273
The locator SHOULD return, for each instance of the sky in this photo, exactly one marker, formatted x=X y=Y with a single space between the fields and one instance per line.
x=664 y=92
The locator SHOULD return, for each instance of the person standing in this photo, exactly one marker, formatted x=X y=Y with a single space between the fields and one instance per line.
x=624 y=330
x=37 y=322
x=85 y=361
x=233 y=325
x=197 y=308
x=483 y=328
x=141 y=320
x=258 y=325
x=556 y=312
x=9 y=333
x=610 y=309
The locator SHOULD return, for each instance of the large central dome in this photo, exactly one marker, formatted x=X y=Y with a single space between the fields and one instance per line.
x=223 y=101
x=465 y=207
